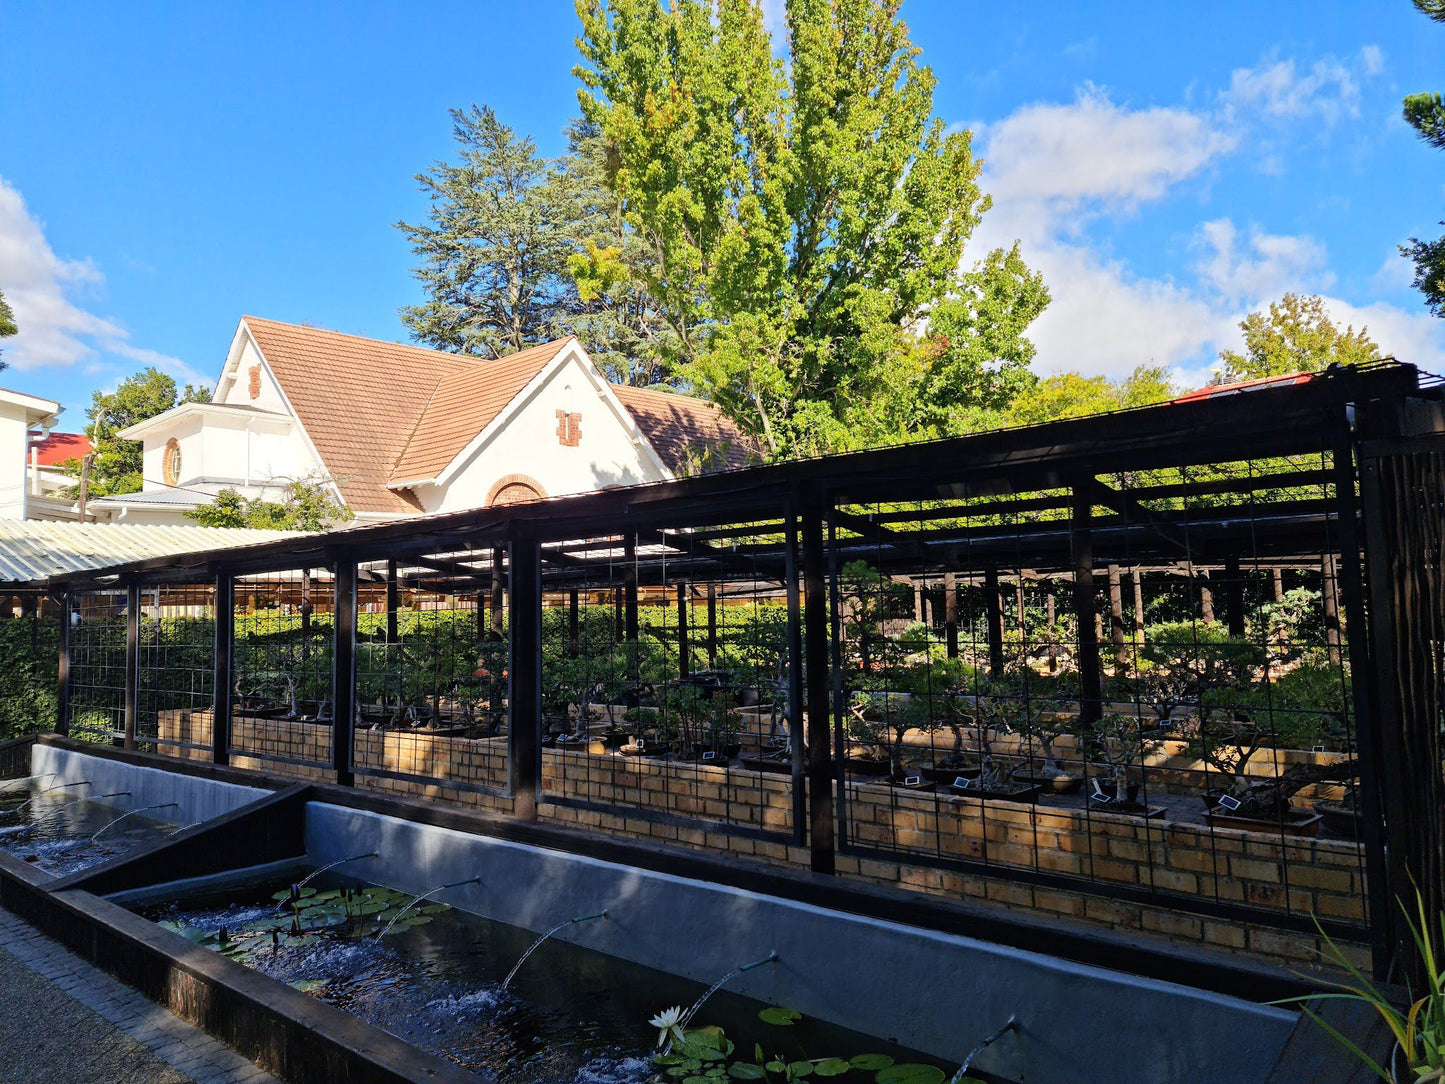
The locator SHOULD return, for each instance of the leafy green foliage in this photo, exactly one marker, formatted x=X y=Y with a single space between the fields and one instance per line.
x=1425 y=113
x=117 y=465
x=29 y=648
x=7 y=323
x=307 y=504
x=809 y=219
x=1296 y=335
x=1073 y=395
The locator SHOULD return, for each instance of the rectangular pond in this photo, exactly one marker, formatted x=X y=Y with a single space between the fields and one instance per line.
x=63 y=828
x=571 y=1015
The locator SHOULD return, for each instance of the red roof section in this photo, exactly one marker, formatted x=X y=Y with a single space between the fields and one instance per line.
x=1283 y=380
x=56 y=448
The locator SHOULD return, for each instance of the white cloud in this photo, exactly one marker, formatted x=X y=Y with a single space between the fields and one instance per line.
x=1053 y=167
x=1262 y=266
x=1280 y=91
x=44 y=290
x=1372 y=60
x=1055 y=158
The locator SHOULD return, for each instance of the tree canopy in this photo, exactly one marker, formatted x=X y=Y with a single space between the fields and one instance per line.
x=307 y=505
x=7 y=325
x=806 y=220
x=1295 y=335
x=117 y=465
x=1426 y=114
x=1073 y=395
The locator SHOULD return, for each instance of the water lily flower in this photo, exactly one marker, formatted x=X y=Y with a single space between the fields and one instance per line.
x=668 y=1024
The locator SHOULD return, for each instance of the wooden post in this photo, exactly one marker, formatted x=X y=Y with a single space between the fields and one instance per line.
x=629 y=588
x=1051 y=615
x=1206 y=601
x=993 y=608
x=343 y=670
x=712 y=626
x=1023 y=612
x=1116 y=617
x=1277 y=579
x=1330 y=597
x=796 y=685
x=1085 y=606
x=574 y=621
x=819 y=682
x=132 y=664
x=684 y=652
x=392 y=601
x=524 y=730
x=62 y=668
x=1138 y=578
x=950 y=613
x=499 y=561
x=919 y=613
x=1234 y=597
x=225 y=652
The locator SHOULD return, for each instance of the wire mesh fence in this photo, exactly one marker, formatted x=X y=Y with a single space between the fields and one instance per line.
x=97 y=645
x=176 y=664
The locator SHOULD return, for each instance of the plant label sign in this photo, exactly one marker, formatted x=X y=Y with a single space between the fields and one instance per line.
x=1229 y=802
x=1100 y=797
x=912 y=780
x=709 y=755
x=962 y=782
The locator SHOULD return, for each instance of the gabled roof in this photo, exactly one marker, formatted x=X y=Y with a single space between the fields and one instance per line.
x=688 y=434
x=381 y=413
x=58 y=447
x=464 y=404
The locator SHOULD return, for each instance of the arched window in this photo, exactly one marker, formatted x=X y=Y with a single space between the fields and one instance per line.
x=171 y=462
x=515 y=489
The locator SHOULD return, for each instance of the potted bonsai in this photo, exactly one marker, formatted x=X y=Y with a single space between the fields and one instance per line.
x=992 y=778
x=1044 y=725
x=1116 y=745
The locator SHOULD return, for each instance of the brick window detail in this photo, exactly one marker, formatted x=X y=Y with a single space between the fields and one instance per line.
x=255 y=386
x=569 y=429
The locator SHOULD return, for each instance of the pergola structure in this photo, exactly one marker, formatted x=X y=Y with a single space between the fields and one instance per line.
x=341 y=655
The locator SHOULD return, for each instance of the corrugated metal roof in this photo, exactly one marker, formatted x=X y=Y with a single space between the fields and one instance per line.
x=35 y=550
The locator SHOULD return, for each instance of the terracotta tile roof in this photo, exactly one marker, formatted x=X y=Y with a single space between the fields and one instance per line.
x=379 y=411
x=358 y=399
x=58 y=447
x=463 y=404
x=679 y=427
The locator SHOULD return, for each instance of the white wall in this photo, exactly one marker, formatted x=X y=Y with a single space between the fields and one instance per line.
x=14 y=449
x=239 y=391
x=528 y=445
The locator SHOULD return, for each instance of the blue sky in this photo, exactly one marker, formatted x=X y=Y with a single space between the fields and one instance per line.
x=165 y=168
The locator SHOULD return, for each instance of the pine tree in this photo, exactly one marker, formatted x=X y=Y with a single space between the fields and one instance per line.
x=1426 y=114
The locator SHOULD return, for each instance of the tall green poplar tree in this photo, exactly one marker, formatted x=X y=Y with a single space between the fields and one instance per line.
x=806 y=221
x=1426 y=114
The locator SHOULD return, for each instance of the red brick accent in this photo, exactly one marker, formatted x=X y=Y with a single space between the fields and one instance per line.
x=515 y=488
x=255 y=386
x=569 y=429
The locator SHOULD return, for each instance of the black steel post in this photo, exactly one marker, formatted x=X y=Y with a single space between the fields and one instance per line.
x=795 y=680
x=392 y=601
x=132 y=663
x=499 y=558
x=1234 y=597
x=950 y=614
x=225 y=652
x=712 y=626
x=343 y=671
x=815 y=648
x=574 y=620
x=1081 y=543
x=524 y=728
x=629 y=588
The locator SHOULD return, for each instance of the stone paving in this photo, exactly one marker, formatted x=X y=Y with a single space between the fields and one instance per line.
x=66 y=1022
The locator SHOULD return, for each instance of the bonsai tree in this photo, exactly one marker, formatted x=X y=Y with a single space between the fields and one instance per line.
x=1043 y=726
x=1182 y=660
x=1228 y=743
x=1116 y=745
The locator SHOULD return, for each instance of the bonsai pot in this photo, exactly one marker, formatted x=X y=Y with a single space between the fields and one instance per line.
x=943 y=773
x=1297 y=823
x=1340 y=818
x=777 y=765
x=1026 y=794
x=1130 y=808
x=866 y=766
x=615 y=738
x=1063 y=783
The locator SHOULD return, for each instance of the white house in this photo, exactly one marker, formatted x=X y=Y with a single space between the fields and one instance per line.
x=400 y=430
x=20 y=415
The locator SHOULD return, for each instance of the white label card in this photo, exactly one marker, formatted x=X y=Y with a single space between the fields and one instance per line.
x=912 y=780
x=1229 y=802
x=709 y=755
x=962 y=782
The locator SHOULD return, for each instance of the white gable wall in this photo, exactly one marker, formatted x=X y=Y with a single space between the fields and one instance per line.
x=525 y=443
x=14 y=450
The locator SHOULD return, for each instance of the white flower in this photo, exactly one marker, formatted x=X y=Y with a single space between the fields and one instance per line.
x=668 y=1023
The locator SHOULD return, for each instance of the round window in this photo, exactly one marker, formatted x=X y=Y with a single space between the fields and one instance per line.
x=171 y=462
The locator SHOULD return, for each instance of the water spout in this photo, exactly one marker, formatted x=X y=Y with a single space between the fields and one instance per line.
x=715 y=987
x=426 y=895
x=317 y=872
x=132 y=813
x=538 y=943
x=38 y=821
x=15 y=784
x=182 y=828
x=1012 y=1025
x=43 y=793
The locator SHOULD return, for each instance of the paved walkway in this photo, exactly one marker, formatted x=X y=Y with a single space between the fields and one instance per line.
x=66 y=1022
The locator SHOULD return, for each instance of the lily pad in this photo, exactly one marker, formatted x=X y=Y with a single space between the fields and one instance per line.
x=910 y=1073
x=779 y=1017
x=870 y=1061
x=832 y=1067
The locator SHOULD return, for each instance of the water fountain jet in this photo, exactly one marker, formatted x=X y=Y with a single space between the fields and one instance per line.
x=132 y=813
x=771 y=957
x=43 y=793
x=426 y=895
x=1012 y=1025
x=538 y=943
x=299 y=885
x=38 y=821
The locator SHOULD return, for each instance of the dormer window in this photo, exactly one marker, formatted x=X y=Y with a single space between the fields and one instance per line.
x=171 y=462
